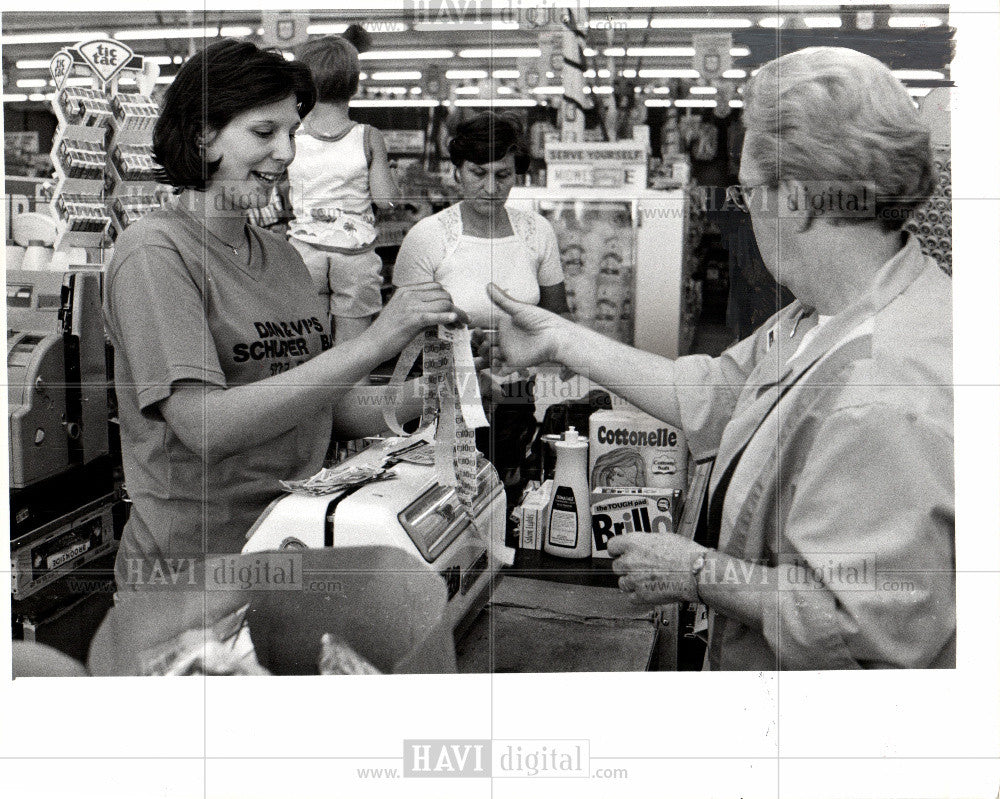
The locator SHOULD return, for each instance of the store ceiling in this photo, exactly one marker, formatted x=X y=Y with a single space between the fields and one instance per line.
x=868 y=30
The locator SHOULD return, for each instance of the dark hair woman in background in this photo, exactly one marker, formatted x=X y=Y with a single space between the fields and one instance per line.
x=225 y=380
x=480 y=240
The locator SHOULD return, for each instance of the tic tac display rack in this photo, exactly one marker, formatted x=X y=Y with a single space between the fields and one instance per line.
x=90 y=59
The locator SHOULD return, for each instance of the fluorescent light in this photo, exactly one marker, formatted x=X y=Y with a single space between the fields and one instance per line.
x=498 y=52
x=613 y=52
x=817 y=21
x=914 y=22
x=391 y=90
x=162 y=60
x=666 y=52
x=405 y=55
x=236 y=31
x=506 y=74
x=167 y=33
x=548 y=90
x=504 y=90
x=416 y=90
x=771 y=22
x=32 y=83
x=654 y=102
x=466 y=74
x=403 y=75
x=32 y=63
x=178 y=59
x=703 y=90
x=78 y=82
x=610 y=23
x=919 y=92
x=695 y=103
x=55 y=37
x=490 y=25
x=629 y=73
x=735 y=103
x=165 y=80
x=393 y=103
x=467 y=90
x=601 y=90
x=15 y=98
x=701 y=22
x=918 y=74
x=326 y=29
x=661 y=90
x=669 y=73
x=40 y=98
x=511 y=102
x=737 y=74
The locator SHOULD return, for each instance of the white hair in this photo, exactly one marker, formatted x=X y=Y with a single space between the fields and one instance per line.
x=832 y=114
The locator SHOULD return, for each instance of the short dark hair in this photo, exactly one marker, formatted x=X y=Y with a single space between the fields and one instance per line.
x=489 y=137
x=335 y=67
x=224 y=80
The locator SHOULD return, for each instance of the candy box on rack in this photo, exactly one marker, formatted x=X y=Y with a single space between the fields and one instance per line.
x=614 y=511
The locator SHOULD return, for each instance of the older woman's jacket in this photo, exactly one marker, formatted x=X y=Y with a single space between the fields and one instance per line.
x=835 y=466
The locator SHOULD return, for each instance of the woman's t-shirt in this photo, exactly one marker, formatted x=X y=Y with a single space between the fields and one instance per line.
x=180 y=307
x=436 y=249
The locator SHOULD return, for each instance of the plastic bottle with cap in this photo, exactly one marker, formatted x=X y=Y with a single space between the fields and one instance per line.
x=568 y=534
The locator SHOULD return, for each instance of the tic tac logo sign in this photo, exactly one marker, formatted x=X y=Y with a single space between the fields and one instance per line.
x=60 y=66
x=446 y=758
x=105 y=56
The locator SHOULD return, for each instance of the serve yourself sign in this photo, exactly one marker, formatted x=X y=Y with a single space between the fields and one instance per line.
x=599 y=165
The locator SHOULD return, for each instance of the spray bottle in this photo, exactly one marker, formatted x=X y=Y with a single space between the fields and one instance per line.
x=569 y=533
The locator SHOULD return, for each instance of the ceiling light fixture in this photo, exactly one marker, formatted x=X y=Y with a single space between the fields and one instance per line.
x=325 y=29
x=701 y=22
x=466 y=74
x=696 y=103
x=405 y=55
x=55 y=37
x=500 y=102
x=166 y=33
x=817 y=21
x=497 y=52
x=914 y=22
x=402 y=75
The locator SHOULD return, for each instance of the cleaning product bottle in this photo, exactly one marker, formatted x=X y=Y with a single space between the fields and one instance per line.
x=569 y=533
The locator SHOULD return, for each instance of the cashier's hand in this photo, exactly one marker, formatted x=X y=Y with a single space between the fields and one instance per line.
x=529 y=335
x=411 y=310
x=655 y=568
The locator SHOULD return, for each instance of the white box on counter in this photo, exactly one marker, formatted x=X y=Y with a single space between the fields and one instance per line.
x=632 y=448
x=531 y=515
x=618 y=510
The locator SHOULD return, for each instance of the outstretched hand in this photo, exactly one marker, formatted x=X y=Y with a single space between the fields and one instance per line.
x=411 y=310
x=529 y=335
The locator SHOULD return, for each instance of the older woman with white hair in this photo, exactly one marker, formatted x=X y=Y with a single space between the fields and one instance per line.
x=831 y=505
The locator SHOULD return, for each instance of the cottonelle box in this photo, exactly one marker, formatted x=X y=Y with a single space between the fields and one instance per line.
x=632 y=448
x=618 y=510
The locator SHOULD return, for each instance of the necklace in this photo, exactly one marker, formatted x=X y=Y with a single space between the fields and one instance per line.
x=200 y=223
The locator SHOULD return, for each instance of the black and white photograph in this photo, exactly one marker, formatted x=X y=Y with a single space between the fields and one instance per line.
x=511 y=397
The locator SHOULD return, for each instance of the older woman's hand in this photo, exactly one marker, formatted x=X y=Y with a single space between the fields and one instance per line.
x=529 y=335
x=411 y=310
x=656 y=568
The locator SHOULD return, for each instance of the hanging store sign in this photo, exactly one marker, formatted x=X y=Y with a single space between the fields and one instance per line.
x=284 y=28
x=712 y=55
x=597 y=165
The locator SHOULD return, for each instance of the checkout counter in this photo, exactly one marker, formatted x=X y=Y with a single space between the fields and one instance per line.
x=540 y=614
x=62 y=489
